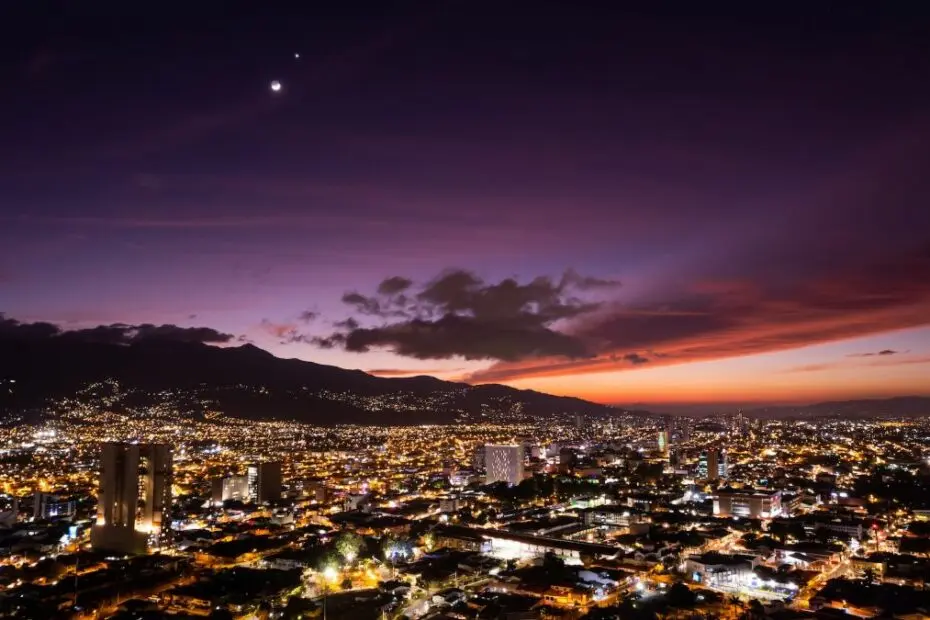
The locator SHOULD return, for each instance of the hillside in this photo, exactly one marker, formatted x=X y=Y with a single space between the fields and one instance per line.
x=249 y=382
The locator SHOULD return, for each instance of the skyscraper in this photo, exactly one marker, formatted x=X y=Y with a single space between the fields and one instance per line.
x=134 y=498
x=662 y=441
x=684 y=429
x=504 y=463
x=264 y=481
x=712 y=465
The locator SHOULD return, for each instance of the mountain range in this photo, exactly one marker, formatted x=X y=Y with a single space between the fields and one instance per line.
x=246 y=381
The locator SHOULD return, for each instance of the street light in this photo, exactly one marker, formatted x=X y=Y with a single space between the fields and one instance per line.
x=329 y=576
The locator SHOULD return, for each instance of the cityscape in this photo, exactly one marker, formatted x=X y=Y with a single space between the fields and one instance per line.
x=440 y=310
x=155 y=515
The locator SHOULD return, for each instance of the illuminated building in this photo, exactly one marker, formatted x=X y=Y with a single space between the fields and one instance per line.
x=264 y=482
x=135 y=495
x=713 y=465
x=752 y=504
x=230 y=488
x=684 y=429
x=662 y=441
x=504 y=463
x=46 y=506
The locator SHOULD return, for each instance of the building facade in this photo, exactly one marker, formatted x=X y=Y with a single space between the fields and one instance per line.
x=264 y=482
x=503 y=463
x=134 y=498
x=231 y=488
x=47 y=506
x=748 y=504
x=713 y=465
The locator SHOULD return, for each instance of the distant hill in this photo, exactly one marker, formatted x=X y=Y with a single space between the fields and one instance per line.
x=249 y=382
x=901 y=406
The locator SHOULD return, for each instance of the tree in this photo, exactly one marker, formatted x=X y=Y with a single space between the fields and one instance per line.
x=348 y=545
x=429 y=541
x=680 y=596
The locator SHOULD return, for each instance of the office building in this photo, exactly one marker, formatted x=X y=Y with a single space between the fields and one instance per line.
x=134 y=499
x=264 y=482
x=230 y=488
x=662 y=441
x=712 y=465
x=748 y=504
x=684 y=429
x=47 y=506
x=503 y=463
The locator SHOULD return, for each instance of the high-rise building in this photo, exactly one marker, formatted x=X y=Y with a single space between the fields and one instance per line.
x=684 y=429
x=134 y=498
x=503 y=463
x=713 y=465
x=47 y=506
x=231 y=488
x=264 y=481
x=662 y=441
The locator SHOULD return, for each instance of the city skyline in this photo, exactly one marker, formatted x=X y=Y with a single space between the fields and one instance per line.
x=644 y=209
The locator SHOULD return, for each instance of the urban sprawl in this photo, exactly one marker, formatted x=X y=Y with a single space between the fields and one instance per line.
x=155 y=514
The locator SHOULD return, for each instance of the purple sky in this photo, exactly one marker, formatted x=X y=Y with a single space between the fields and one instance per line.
x=757 y=184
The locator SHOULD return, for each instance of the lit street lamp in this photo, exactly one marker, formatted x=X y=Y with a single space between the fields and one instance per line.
x=330 y=574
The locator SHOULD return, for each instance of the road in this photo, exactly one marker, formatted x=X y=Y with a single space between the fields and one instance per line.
x=802 y=600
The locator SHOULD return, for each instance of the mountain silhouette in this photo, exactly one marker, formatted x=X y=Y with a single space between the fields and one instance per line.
x=247 y=381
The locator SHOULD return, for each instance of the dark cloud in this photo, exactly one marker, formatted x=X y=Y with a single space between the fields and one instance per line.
x=13 y=329
x=875 y=353
x=467 y=337
x=117 y=333
x=348 y=323
x=573 y=278
x=333 y=341
x=394 y=285
x=362 y=304
x=457 y=314
x=729 y=319
x=636 y=359
x=308 y=315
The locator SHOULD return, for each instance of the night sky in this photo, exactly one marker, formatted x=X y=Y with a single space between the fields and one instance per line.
x=636 y=207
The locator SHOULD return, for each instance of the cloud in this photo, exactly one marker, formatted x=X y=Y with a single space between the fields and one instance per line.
x=408 y=372
x=880 y=360
x=394 y=285
x=117 y=333
x=874 y=353
x=362 y=304
x=706 y=322
x=573 y=278
x=348 y=323
x=467 y=337
x=813 y=367
x=457 y=314
x=286 y=332
x=307 y=316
